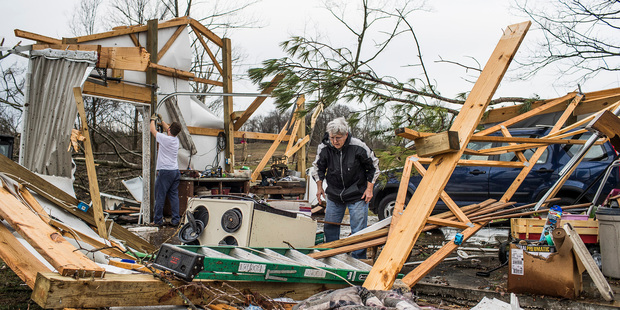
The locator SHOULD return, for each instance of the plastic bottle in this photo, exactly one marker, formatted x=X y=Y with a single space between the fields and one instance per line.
x=553 y=219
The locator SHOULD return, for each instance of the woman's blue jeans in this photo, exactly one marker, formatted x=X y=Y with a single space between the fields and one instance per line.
x=334 y=212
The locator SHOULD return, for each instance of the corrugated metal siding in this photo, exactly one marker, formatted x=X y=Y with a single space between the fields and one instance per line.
x=50 y=114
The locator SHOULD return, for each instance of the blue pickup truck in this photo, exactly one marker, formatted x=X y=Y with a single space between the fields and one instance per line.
x=469 y=185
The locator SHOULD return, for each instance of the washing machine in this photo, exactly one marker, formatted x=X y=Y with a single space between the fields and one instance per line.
x=247 y=223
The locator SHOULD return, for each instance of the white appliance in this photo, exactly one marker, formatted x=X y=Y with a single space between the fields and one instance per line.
x=244 y=223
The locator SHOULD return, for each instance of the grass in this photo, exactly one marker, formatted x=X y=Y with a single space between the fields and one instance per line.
x=14 y=293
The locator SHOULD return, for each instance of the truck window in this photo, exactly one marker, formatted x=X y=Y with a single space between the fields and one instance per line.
x=597 y=152
x=476 y=146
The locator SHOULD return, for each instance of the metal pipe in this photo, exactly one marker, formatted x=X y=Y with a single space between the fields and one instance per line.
x=185 y=93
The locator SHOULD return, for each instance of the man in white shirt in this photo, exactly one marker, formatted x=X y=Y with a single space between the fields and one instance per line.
x=168 y=175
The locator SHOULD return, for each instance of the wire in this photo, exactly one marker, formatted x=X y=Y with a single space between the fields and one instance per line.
x=219 y=147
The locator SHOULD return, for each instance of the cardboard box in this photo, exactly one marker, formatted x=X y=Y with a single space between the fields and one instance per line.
x=557 y=275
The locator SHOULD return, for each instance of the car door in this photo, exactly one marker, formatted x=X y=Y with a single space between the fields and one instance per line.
x=470 y=184
x=500 y=178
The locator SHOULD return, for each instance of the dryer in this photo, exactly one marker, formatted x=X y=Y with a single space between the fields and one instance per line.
x=246 y=223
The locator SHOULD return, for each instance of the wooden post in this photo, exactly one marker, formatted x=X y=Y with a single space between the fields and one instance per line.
x=229 y=125
x=407 y=230
x=301 y=133
x=90 y=167
x=151 y=78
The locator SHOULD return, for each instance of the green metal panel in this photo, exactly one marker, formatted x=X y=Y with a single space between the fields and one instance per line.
x=277 y=265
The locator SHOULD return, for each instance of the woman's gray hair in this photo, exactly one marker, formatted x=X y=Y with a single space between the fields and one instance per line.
x=338 y=126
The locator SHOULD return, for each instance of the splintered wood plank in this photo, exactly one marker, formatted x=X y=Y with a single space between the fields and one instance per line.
x=93 y=185
x=131 y=290
x=67 y=202
x=407 y=230
x=259 y=100
x=46 y=240
x=125 y=58
x=18 y=258
x=269 y=153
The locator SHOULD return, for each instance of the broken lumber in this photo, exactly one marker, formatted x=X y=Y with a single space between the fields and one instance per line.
x=584 y=255
x=66 y=201
x=399 y=245
x=46 y=240
x=439 y=143
x=18 y=258
x=132 y=290
x=93 y=184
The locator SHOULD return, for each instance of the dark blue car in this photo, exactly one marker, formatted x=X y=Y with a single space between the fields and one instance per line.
x=469 y=185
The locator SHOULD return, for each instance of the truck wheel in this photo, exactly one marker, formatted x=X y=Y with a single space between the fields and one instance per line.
x=386 y=206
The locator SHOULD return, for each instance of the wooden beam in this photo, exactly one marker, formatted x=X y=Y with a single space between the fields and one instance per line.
x=259 y=100
x=539 y=152
x=207 y=81
x=301 y=132
x=608 y=124
x=580 y=123
x=432 y=261
x=411 y=134
x=349 y=248
x=66 y=201
x=36 y=37
x=297 y=146
x=208 y=50
x=543 y=108
x=485 y=163
x=439 y=143
x=93 y=185
x=268 y=154
x=116 y=57
x=133 y=29
x=227 y=87
x=121 y=91
x=125 y=58
x=207 y=33
x=519 y=154
x=163 y=70
x=46 y=240
x=454 y=208
x=132 y=290
x=135 y=40
x=18 y=258
x=525 y=140
x=296 y=125
x=109 y=249
x=173 y=38
x=397 y=249
x=238 y=134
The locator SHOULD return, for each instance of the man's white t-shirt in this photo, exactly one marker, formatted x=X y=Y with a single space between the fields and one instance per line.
x=168 y=151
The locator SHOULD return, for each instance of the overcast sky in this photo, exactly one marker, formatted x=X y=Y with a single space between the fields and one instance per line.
x=452 y=29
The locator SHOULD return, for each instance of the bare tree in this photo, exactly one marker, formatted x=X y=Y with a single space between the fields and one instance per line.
x=579 y=37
